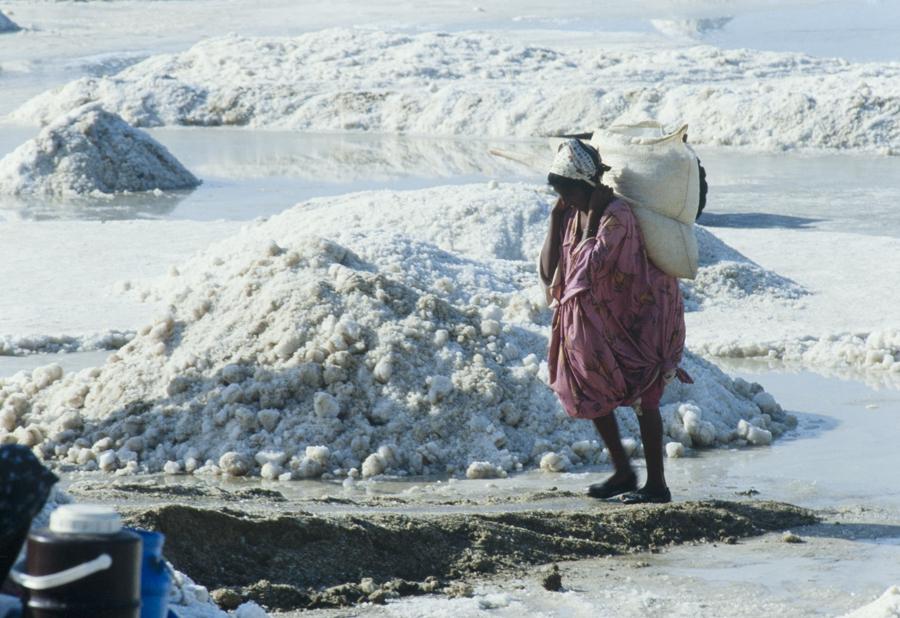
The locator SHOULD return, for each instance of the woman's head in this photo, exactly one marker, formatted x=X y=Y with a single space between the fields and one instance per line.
x=575 y=172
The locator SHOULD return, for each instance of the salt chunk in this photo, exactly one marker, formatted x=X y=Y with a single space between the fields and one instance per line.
x=758 y=436
x=388 y=454
x=383 y=370
x=287 y=346
x=674 y=450
x=8 y=419
x=276 y=457
x=135 y=443
x=325 y=405
x=172 y=467
x=349 y=330
x=373 y=465
x=492 y=312
x=585 y=448
x=233 y=463
x=441 y=336
x=270 y=471
x=490 y=327
x=320 y=454
x=107 y=460
x=232 y=374
x=766 y=403
x=306 y=468
x=484 y=470
x=440 y=387
x=553 y=462
x=268 y=418
x=232 y=393
x=28 y=436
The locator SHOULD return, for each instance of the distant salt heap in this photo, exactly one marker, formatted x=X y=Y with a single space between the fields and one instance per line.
x=285 y=355
x=479 y=84
x=89 y=152
x=7 y=25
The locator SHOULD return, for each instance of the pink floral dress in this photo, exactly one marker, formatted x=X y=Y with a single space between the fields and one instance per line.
x=618 y=326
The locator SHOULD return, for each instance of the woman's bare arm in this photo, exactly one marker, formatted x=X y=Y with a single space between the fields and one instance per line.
x=551 y=250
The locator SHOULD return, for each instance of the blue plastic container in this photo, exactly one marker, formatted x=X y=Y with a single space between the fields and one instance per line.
x=155 y=579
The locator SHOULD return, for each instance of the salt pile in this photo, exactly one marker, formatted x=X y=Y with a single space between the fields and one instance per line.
x=90 y=151
x=7 y=25
x=479 y=84
x=286 y=355
x=727 y=276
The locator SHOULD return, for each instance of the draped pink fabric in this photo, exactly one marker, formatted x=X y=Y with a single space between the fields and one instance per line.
x=619 y=322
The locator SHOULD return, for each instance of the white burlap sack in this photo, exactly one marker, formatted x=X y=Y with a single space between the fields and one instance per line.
x=650 y=168
x=659 y=176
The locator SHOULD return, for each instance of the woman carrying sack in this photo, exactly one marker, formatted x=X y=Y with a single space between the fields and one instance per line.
x=618 y=324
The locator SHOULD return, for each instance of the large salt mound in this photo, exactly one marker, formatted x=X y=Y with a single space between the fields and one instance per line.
x=7 y=25
x=478 y=84
x=91 y=151
x=285 y=354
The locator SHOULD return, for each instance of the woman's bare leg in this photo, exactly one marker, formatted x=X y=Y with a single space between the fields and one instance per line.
x=651 y=435
x=608 y=429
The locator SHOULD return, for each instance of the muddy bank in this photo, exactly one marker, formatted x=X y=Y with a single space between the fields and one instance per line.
x=309 y=561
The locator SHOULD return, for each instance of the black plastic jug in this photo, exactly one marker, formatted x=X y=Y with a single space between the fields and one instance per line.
x=83 y=566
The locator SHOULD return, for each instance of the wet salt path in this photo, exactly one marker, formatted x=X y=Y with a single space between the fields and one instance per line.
x=839 y=462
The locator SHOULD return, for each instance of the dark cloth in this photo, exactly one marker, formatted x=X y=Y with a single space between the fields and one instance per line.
x=25 y=485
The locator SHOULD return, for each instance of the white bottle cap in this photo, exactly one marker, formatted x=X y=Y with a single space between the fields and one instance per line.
x=85 y=519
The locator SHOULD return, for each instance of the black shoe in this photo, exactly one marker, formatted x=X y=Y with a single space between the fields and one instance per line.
x=644 y=496
x=607 y=489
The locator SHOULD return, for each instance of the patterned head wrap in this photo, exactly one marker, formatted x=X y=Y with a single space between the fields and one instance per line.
x=573 y=160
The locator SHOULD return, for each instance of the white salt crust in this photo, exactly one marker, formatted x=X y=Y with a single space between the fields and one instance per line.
x=872 y=352
x=288 y=356
x=885 y=606
x=482 y=85
x=90 y=151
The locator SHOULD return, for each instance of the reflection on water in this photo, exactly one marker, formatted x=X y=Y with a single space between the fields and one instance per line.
x=340 y=158
x=120 y=207
x=250 y=173
x=884 y=380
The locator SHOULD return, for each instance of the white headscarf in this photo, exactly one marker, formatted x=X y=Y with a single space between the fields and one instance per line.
x=573 y=161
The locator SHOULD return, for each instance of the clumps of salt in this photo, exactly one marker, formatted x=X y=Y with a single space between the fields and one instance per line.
x=674 y=450
x=484 y=470
x=90 y=151
x=308 y=359
x=232 y=80
x=554 y=462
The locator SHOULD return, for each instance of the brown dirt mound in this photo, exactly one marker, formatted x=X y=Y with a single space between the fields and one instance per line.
x=306 y=561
